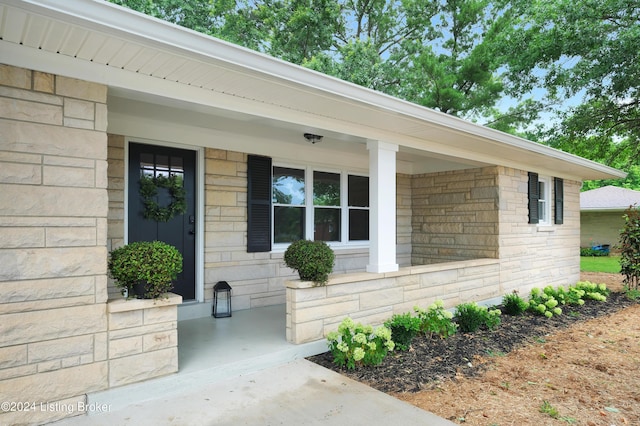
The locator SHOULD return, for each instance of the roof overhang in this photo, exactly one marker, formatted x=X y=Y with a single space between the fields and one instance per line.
x=145 y=59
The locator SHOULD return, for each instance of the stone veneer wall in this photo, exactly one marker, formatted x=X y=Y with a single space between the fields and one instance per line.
x=314 y=311
x=143 y=339
x=455 y=216
x=53 y=225
x=115 y=189
x=532 y=255
x=258 y=279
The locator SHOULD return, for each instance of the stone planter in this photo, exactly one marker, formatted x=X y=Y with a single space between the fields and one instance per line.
x=142 y=338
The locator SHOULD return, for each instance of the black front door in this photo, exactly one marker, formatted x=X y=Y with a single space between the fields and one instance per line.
x=179 y=228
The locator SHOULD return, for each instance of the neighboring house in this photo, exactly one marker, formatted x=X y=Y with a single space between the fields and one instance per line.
x=601 y=214
x=417 y=205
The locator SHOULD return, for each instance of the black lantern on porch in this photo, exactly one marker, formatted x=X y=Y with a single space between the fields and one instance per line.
x=221 y=300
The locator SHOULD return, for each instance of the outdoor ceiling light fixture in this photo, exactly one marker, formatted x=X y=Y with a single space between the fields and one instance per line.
x=312 y=138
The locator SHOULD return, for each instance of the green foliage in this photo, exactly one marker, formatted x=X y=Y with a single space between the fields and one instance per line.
x=436 y=320
x=588 y=251
x=547 y=408
x=632 y=294
x=149 y=191
x=514 y=304
x=470 y=316
x=584 y=49
x=549 y=300
x=154 y=263
x=313 y=260
x=593 y=291
x=356 y=344
x=630 y=248
x=403 y=328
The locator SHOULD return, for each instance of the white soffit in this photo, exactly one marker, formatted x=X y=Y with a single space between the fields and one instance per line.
x=136 y=55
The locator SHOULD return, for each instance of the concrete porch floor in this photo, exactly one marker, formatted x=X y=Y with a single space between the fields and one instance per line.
x=241 y=371
x=213 y=349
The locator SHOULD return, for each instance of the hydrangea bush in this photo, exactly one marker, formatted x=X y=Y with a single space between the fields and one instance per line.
x=436 y=320
x=356 y=344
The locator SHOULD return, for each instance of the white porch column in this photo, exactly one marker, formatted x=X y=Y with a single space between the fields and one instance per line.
x=382 y=194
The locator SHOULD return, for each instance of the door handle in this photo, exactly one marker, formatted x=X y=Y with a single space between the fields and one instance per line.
x=192 y=232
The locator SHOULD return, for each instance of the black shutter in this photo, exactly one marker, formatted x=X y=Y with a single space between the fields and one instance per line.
x=258 y=204
x=533 y=197
x=558 y=200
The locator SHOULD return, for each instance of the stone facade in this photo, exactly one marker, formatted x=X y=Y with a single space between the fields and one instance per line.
x=314 y=311
x=455 y=216
x=143 y=339
x=53 y=226
x=257 y=278
x=60 y=338
x=533 y=255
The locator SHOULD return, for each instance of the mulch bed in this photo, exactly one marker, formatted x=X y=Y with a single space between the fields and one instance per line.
x=431 y=360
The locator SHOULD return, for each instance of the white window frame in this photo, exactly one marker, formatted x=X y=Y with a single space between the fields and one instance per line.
x=310 y=207
x=545 y=188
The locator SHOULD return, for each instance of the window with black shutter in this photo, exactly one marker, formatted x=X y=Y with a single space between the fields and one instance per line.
x=258 y=204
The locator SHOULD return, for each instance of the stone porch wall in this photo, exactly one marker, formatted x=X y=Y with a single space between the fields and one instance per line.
x=533 y=255
x=312 y=312
x=455 y=216
x=143 y=339
x=53 y=225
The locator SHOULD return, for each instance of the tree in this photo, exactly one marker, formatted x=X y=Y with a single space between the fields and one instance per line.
x=582 y=50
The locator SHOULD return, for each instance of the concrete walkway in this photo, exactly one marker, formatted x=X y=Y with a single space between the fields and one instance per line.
x=296 y=393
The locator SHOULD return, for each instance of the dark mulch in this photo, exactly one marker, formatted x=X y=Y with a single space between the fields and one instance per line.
x=430 y=360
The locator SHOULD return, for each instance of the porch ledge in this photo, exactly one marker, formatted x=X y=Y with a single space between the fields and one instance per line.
x=410 y=270
x=124 y=305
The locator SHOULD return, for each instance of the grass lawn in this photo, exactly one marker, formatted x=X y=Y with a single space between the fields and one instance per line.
x=609 y=264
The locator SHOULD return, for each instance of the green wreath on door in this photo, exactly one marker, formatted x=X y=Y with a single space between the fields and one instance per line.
x=148 y=191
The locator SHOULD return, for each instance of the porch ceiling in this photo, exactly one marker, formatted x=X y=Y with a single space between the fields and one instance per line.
x=145 y=59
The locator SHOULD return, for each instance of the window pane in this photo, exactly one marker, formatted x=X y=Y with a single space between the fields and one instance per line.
x=288 y=224
x=358 y=224
x=358 y=191
x=326 y=225
x=288 y=186
x=326 y=189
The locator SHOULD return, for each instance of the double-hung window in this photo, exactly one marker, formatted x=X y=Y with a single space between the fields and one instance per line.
x=541 y=191
x=319 y=205
x=286 y=203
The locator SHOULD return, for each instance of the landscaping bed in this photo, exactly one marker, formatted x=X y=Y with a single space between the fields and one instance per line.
x=465 y=366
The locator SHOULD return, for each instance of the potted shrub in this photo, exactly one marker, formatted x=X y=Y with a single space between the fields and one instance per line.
x=312 y=259
x=145 y=269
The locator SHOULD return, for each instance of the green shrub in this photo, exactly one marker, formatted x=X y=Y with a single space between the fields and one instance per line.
x=154 y=263
x=543 y=302
x=630 y=247
x=403 y=328
x=470 y=316
x=356 y=344
x=313 y=260
x=593 y=291
x=514 y=304
x=436 y=320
